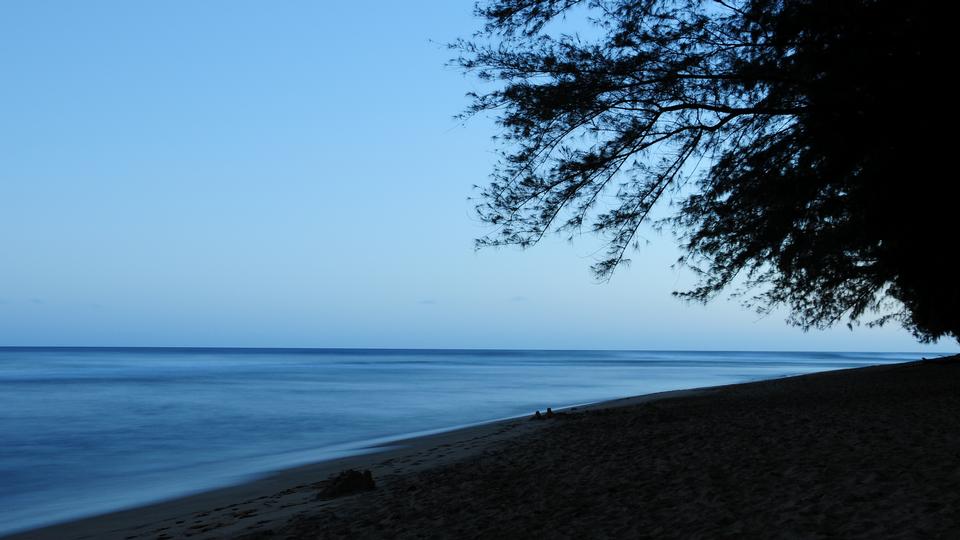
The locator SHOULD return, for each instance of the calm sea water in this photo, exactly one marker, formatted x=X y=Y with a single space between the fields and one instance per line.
x=85 y=431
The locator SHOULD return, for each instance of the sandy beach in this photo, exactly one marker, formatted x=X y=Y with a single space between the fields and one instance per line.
x=860 y=453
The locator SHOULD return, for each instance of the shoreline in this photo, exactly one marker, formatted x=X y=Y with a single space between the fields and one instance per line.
x=270 y=502
x=126 y=522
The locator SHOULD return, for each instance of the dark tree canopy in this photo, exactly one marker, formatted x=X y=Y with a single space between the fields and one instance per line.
x=798 y=137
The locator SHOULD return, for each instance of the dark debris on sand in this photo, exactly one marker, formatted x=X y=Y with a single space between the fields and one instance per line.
x=347 y=482
x=549 y=415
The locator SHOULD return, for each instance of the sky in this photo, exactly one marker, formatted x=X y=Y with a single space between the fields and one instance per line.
x=291 y=174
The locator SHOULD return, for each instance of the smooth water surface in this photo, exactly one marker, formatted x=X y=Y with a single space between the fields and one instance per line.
x=86 y=430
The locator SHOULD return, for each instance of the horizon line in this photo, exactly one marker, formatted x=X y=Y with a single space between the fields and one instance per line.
x=440 y=349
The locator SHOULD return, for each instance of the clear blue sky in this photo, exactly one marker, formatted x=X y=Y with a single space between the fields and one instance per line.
x=238 y=173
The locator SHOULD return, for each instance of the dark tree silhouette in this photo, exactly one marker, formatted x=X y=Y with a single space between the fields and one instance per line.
x=798 y=138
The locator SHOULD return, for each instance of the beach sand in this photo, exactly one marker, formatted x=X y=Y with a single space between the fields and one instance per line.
x=861 y=453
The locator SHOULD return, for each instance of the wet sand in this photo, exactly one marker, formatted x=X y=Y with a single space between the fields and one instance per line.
x=861 y=453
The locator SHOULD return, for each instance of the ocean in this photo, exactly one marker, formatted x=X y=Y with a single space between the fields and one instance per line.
x=91 y=430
